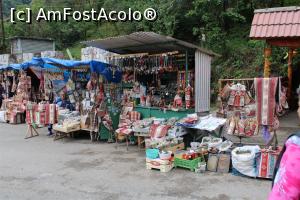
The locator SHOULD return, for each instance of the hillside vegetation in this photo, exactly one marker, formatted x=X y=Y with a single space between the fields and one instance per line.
x=220 y=25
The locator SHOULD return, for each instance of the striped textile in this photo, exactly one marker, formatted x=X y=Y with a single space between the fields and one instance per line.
x=134 y=116
x=159 y=131
x=265 y=91
x=124 y=131
x=265 y=163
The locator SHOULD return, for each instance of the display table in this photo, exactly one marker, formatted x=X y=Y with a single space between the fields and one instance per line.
x=93 y=134
x=207 y=125
x=148 y=112
x=141 y=136
x=62 y=132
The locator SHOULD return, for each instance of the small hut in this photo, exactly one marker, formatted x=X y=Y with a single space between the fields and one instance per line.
x=278 y=27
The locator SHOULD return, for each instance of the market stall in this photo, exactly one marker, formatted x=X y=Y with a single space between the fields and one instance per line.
x=16 y=91
x=164 y=76
x=81 y=92
x=253 y=107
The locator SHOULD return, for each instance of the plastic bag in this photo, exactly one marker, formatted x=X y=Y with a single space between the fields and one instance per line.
x=244 y=162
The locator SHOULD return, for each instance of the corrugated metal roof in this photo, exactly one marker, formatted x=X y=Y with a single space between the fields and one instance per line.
x=278 y=22
x=30 y=38
x=144 y=42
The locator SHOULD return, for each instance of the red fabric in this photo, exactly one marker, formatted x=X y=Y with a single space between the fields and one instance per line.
x=159 y=131
x=264 y=164
x=265 y=89
x=134 y=116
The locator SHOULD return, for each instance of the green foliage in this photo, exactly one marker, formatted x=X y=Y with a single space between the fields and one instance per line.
x=220 y=25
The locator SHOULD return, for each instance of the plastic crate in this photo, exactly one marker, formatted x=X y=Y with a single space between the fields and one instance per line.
x=152 y=153
x=189 y=164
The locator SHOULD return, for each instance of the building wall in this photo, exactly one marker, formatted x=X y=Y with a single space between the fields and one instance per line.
x=19 y=46
x=202 y=82
x=93 y=53
x=4 y=59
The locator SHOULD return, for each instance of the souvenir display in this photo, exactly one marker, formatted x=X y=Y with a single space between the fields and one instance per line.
x=152 y=81
x=251 y=104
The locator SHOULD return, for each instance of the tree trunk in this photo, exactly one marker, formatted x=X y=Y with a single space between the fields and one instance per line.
x=2 y=27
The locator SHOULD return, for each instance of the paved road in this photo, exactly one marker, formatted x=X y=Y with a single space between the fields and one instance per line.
x=40 y=168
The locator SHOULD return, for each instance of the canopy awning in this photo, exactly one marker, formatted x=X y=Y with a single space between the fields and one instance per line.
x=145 y=42
x=54 y=64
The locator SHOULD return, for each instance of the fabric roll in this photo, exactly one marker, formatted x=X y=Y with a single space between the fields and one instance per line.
x=265 y=90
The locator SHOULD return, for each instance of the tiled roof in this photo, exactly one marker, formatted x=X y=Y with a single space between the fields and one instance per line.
x=276 y=23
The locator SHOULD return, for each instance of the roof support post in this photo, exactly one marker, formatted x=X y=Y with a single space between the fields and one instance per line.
x=267 y=64
x=186 y=68
x=290 y=72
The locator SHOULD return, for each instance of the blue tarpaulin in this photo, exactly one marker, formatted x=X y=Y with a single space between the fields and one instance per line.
x=11 y=67
x=53 y=63
x=95 y=66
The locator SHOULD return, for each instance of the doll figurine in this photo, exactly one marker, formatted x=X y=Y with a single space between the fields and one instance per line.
x=177 y=100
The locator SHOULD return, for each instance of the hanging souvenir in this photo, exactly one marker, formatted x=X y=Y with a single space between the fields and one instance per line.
x=70 y=85
x=14 y=85
x=72 y=98
x=188 y=96
x=148 y=100
x=177 y=100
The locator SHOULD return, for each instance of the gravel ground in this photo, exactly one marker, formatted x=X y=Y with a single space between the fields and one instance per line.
x=39 y=168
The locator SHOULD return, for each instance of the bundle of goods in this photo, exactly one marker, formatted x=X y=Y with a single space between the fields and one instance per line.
x=210 y=123
x=243 y=160
x=166 y=144
x=177 y=131
x=142 y=125
x=189 y=121
x=41 y=114
x=65 y=114
x=68 y=121
x=212 y=144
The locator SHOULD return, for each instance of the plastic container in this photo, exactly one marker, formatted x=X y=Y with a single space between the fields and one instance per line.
x=165 y=155
x=152 y=153
x=189 y=164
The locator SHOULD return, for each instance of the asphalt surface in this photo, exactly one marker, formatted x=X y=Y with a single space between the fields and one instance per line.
x=40 y=168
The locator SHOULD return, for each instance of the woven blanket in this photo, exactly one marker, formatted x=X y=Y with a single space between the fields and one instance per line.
x=159 y=131
x=265 y=91
x=265 y=163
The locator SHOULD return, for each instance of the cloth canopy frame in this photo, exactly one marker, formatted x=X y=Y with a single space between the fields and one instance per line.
x=59 y=64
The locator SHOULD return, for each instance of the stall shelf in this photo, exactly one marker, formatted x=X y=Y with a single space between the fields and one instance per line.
x=148 y=112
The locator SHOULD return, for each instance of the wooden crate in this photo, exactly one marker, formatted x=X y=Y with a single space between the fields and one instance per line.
x=175 y=148
x=162 y=165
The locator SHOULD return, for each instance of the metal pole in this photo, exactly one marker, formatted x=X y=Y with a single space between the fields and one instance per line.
x=186 y=68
